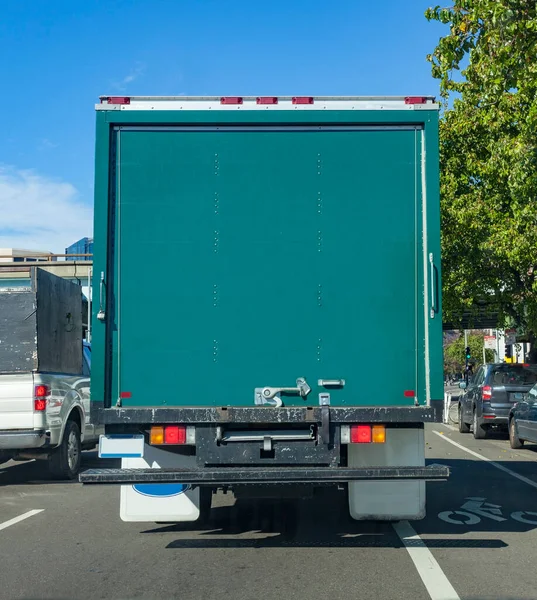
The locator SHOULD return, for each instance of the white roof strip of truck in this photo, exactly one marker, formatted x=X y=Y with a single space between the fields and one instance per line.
x=267 y=103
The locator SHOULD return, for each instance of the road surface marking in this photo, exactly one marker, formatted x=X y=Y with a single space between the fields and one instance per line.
x=20 y=518
x=490 y=461
x=434 y=579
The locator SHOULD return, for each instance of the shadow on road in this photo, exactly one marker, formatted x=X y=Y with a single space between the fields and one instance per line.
x=321 y=522
x=35 y=472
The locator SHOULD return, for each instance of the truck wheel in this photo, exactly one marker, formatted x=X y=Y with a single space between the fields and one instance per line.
x=64 y=462
x=515 y=442
x=479 y=432
x=463 y=427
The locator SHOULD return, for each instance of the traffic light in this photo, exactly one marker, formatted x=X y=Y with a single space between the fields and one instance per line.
x=468 y=353
x=508 y=351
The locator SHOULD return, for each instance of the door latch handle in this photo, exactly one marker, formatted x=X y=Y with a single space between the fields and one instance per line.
x=302 y=389
x=331 y=383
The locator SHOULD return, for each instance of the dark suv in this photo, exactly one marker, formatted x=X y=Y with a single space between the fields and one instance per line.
x=490 y=395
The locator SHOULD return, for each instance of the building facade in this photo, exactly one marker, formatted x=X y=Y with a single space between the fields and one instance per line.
x=83 y=246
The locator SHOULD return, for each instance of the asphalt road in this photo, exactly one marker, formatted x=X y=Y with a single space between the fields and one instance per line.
x=77 y=547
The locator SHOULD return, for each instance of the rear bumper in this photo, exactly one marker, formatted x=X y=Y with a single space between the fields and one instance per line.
x=223 y=415
x=493 y=420
x=22 y=439
x=270 y=475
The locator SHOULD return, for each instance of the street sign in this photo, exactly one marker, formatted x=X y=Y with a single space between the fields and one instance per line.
x=490 y=342
x=510 y=336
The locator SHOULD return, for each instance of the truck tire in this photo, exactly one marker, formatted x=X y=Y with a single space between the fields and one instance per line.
x=515 y=442
x=64 y=462
x=479 y=432
x=463 y=427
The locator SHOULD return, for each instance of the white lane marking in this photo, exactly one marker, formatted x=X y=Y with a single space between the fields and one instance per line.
x=20 y=518
x=434 y=579
x=488 y=460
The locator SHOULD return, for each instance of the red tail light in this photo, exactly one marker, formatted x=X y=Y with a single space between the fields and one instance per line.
x=487 y=393
x=361 y=434
x=41 y=393
x=175 y=434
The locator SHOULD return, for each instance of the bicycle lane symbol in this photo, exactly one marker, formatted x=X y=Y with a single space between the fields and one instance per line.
x=474 y=509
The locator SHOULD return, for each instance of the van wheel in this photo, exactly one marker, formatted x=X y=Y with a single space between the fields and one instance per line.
x=479 y=432
x=64 y=462
x=515 y=442
x=463 y=427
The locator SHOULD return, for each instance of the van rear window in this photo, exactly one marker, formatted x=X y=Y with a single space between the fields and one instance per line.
x=513 y=374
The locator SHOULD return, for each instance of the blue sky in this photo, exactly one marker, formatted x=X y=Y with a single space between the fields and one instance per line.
x=58 y=56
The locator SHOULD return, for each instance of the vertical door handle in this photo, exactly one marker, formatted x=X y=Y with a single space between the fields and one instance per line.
x=101 y=315
x=434 y=286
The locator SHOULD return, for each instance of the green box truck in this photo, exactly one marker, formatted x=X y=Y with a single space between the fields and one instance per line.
x=267 y=271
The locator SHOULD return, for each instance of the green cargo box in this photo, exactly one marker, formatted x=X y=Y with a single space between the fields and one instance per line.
x=241 y=246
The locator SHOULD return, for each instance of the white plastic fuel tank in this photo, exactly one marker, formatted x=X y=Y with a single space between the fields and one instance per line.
x=172 y=502
x=383 y=500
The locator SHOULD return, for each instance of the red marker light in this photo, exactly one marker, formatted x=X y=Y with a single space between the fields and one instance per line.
x=118 y=100
x=302 y=100
x=360 y=434
x=487 y=393
x=409 y=394
x=416 y=100
x=267 y=100
x=125 y=395
x=231 y=100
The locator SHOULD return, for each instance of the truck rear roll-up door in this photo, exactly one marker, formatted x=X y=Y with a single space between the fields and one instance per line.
x=252 y=256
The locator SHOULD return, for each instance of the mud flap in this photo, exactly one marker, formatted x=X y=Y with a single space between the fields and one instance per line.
x=387 y=500
x=173 y=502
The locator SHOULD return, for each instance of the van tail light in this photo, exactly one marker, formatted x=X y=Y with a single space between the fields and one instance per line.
x=41 y=393
x=167 y=434
x=487 y=393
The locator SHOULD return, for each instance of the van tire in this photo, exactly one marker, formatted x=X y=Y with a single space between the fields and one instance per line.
x=64 y=462
x=515 y=442
x=479 y=432
x=463 y=427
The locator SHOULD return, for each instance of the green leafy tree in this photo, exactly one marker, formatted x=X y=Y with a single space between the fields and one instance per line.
x=454 y=353
x=487 y=67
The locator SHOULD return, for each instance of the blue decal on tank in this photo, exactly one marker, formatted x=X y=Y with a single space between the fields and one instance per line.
x=161 y=490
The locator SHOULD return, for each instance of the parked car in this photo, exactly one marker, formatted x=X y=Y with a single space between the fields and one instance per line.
x=491 y=394
x=523 y=420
